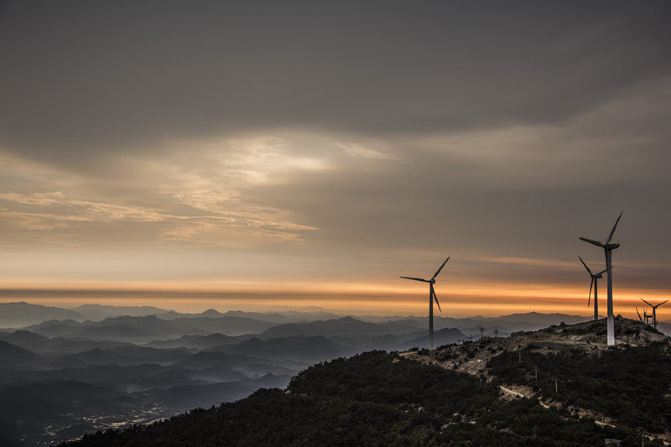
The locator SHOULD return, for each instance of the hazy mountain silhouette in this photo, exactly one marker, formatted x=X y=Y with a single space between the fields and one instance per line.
x=226 y=325
x=127 y=329
x=56 y=328
x=213 y=358
x=441 y=337
x=27 y=340
x=19 y=314
x=148 y=328
x=39 y=343
x=126 y=355
x=250 y=366
x=300 y=348
x=13 y=356
x=339 y=326
x=101 y=311
x=201 y=342
x=67 y=345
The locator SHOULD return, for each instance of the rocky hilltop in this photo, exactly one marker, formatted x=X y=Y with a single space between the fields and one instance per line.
x=587 y=337
x=559 y=386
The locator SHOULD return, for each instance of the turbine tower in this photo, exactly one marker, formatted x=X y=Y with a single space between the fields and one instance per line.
x=654 y=311
x=594 y=282
x=608 y=248
x=432 y=297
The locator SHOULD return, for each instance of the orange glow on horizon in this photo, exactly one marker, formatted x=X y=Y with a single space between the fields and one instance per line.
x=457 y=299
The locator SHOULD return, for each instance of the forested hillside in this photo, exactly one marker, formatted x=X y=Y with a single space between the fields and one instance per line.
x=380 y=398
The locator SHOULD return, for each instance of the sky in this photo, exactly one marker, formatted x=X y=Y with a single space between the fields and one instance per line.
x=267 y=155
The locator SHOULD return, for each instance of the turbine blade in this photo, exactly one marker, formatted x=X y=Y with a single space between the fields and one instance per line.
x=602 y=271
x=414 y=279
x=639 y=315
x=435 y=297
x=612 y=232
x=441 y=267
x=589 y=299
x=591 y=241
x=585 y=265
x=647 y=302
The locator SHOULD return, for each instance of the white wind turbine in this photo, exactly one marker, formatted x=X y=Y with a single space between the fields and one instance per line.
x=608 y=248
x=593 y=283
x=432 y=296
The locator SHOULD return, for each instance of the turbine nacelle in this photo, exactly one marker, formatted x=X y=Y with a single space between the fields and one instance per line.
x=608 y=246
x=593 y=275
x=654 y=306
x=599 y=275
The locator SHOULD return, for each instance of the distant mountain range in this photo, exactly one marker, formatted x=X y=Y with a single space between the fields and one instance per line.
x=21 y=315
x=299 y=348
x=101 y=311
x=200 y=342
x=40 y=343
x=14 y=356
x=148 y=328
x=339 y=326
x=16 y=315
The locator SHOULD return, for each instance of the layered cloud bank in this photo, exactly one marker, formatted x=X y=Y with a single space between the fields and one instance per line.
x=333 y=144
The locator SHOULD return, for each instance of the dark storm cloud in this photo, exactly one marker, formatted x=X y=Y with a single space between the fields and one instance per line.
x=81 y=78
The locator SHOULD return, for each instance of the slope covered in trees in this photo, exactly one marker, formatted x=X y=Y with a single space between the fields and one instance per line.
x=372 y=399
x=631 y=386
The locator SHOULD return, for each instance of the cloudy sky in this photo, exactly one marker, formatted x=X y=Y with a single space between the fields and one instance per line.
x=286 y=154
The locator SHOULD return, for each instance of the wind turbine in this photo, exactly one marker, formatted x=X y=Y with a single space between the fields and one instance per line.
x=594 y=282
x=608 y=250
x=432 y=297
x=644 y=319
x=654 y=311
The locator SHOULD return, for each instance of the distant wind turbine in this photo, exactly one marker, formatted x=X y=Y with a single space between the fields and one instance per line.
x=608 y=250
x=654 y=311
x=594 y=282
x=643 y=319
x=432 y=296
